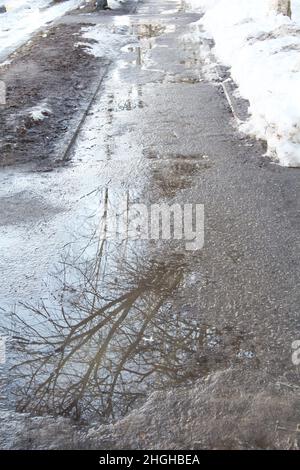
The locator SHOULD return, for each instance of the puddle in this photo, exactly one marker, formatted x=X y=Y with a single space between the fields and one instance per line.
x=118 y=328
x=106 y=338
x=150 y=30
x=12 y=209
x=115 y=321
x=176 y=173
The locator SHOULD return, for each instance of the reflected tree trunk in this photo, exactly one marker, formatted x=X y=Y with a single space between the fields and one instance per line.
x=282 y=6
x=101 y=4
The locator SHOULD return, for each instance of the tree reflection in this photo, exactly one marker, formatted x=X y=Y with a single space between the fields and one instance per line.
x=108 y=339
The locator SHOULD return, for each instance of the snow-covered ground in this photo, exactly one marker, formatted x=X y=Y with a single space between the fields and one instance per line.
x=24 y=17
x=263 y=50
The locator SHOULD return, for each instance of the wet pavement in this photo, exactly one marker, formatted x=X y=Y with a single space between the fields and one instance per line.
x=158 y=132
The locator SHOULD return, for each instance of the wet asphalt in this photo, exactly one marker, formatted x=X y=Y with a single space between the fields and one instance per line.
x=162 y=132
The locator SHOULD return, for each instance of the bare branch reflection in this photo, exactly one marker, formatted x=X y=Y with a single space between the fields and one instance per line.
x=115 y=331
x=108 y=338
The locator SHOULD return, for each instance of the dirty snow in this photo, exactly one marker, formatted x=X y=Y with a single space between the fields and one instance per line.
x=263 y=50
x=39 y=112
x=24 y=17
x=106 y=41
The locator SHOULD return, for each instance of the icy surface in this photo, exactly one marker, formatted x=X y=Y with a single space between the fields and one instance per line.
x=105 y=42
x=262 y=49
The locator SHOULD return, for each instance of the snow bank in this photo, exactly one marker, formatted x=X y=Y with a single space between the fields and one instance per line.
x=24 y=17
x=263 y=50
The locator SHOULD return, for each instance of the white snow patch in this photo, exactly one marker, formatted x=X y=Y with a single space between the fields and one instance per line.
x=39 y=112
x=263 y=50
x=106 y=41
x=115 y=3
x=245 y=354
x=24 y=17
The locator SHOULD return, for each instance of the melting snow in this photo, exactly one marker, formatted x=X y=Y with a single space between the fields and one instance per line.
x=39 y=112
x=24 y=17
x=263 y=50
x=106 y=41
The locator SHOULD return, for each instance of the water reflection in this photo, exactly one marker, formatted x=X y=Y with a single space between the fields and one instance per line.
x=109 y=334
x=118 y=327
